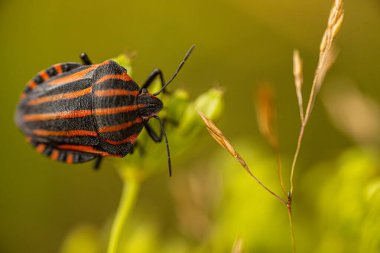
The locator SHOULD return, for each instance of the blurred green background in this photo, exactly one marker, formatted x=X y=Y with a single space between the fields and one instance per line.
x=240 y=44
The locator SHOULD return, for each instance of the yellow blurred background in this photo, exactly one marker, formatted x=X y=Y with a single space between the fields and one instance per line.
x=239 y=44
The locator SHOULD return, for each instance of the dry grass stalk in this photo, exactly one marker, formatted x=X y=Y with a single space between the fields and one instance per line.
x=333 y=26
x=238 y=246
x=298 y=80
x=329 y=60
x=266 y=115
x=327 y=57
x=219 y=137
x=222 y=140
x=326 y=54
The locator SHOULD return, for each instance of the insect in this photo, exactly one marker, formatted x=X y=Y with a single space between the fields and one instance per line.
x=75 y=112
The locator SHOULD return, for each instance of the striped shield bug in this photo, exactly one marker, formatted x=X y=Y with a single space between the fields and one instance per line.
x=75 y=112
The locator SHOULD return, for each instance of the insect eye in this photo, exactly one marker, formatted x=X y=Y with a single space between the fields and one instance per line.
x=144 y=91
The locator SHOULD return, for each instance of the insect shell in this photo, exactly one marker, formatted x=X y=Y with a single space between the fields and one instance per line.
x=75 y=112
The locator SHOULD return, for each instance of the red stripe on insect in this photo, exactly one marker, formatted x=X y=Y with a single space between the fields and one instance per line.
x=82 y=148
x=32 y=84
x=55 y=154
x=130 y=139
x=60 y=115
x=68 y=133
x=115 y=128
x=53 y=98
x=44 y=75
x=116 y=92
x=58 y=68
x=123 y=77
x=115 y=110
x=76 y=76
x=40 y=147
x=70 y=158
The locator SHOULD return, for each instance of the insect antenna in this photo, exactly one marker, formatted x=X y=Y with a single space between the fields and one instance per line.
x=166 y=142
x=176 y=72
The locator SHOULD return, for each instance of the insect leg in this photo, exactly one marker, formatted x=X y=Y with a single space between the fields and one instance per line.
x=135 y=146
x=152 y=76
x=158 y=138
x=152 y=133
x=98 y=163
x=85 y=59
x=158 y=72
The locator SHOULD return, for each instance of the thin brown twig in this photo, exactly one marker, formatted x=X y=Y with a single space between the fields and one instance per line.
x=219 y=137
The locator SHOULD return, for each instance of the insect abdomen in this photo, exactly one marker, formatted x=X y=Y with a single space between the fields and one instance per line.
x=60 y=112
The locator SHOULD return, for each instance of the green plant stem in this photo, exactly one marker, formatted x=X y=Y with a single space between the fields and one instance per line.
x=128 y=199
